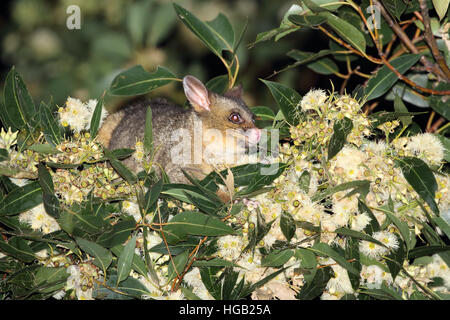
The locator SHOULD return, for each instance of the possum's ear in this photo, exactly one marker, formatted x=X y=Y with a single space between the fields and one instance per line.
x=235 y=92
x=196 y=93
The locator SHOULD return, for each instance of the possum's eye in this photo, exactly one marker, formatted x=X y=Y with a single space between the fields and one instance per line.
x=235 y=118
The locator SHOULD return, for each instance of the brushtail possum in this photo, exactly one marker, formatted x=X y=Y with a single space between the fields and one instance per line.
x=217 y=129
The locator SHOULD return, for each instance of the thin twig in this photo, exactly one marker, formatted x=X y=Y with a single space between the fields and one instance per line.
x=431 y=41
x=430 y=121
x=405 y=39
x=437 y=124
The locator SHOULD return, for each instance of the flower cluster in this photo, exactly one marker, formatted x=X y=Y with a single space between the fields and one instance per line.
x=319 y=199
x=77 y=115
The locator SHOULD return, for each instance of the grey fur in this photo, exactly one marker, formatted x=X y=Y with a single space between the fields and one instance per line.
x=166 y=117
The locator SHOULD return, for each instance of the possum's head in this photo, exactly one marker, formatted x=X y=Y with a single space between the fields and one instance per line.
x=225 y=115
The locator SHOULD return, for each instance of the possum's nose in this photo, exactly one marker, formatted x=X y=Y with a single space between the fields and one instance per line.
x=254 y=135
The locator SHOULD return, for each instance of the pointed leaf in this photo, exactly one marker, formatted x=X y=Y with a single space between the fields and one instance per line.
x=148 y=134
x=323 y=249
x=103 y=257
x=21 y=199
x=19 y=107
x=421 y=178
x=126 y=260
x=287 y=99
x=195 y=223
x=276 y=258
x=96 y=117
x=136 y=80
x=384 y=79
x=348 y=32
x=177 y=264
x=342 y=129
x=50 y=126
x=217 y=35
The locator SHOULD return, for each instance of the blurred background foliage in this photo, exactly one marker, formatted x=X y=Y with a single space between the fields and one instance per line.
x=56 y=62
x=117 y=34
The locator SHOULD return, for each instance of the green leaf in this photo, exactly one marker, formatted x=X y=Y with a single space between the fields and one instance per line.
x=441 y=7
x=314 y=61
x=276 y=258
x=103 y=257
x=51 y=202
x=304 y=181
x=136 y=81
x=138 y=263
x=96 y=117
x=373 y=226
x=381 y=117
x=359 y=186
x=357 y=235
x=195 y=223
x=384 y=79
x=382 y=294
x=17 y=248
x=398 y=256
x=264 y=178
x=21 y=199
x=426 y=251
x=121 y=169
x=148 y=134
x=304 y=57
x=45 y=179
x=120 y=154
x=286 y=98
x=264 y=113
x=287 y=225
x=51 y=279
x=190 y=243
x=400 y=107
x=218 y=84
x=151 y=196
x=217 y=35
x=3 y=155
x=324 y=66
x=395 y=7
x=127 y=289
x=341 y=128
x=117 y=235
x=407 y=235
x=443 y=225
x=215 y=262
x=177 y=264
x=126 y=260
x=313 y=6
x=51 y=129
x=440 y=103
x=44 y=148
x=19 y=109
x=252 y=174
x=260 y=283
x=307 y=20
x=352 y=253
x=325 y=250
x=317 y=285
x=348 y=32
x=421 y=178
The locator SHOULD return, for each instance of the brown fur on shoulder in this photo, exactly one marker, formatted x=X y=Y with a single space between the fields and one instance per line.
x=109 y=125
